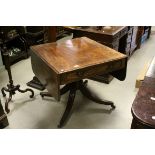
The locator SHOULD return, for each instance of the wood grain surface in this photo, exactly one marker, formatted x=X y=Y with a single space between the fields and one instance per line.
x=76 y=53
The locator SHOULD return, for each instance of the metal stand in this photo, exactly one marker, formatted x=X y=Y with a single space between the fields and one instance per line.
x=11 y=89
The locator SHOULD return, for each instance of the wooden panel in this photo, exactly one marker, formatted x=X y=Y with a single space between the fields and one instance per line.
x=46 y=75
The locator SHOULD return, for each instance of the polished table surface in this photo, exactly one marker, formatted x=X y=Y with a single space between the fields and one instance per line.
x=56 y=64
x=75 y=54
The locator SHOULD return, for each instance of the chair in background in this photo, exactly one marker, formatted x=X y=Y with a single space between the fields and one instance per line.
x=34 y=35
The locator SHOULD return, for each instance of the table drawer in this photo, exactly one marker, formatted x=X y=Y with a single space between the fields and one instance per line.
x=92 y=71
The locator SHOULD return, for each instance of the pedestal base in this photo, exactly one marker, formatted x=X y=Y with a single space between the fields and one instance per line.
x=73 y=87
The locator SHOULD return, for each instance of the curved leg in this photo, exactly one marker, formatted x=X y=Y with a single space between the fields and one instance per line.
x=23 y=91
x=86 y=92
x=7 y=103
x=65 y=89
x=2 y=90
x=42 y=94
x=68 y=107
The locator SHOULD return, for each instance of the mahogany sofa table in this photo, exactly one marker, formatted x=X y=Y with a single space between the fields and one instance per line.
x=68 y=63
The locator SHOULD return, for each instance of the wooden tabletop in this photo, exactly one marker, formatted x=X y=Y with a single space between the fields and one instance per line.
x=74 y=54
x=56 y=64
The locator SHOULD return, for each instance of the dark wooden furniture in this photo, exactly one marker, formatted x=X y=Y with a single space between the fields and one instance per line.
x=143 y=108
x=68 y=63
x=43 y=34
x=11 y=88
x=3 y=118
x=136 y=36
x=142 y=35
x=110 y=37
x=12 y=37
x=34 y=35
x=131 y=40
x=53 y=33
x=113 y=37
